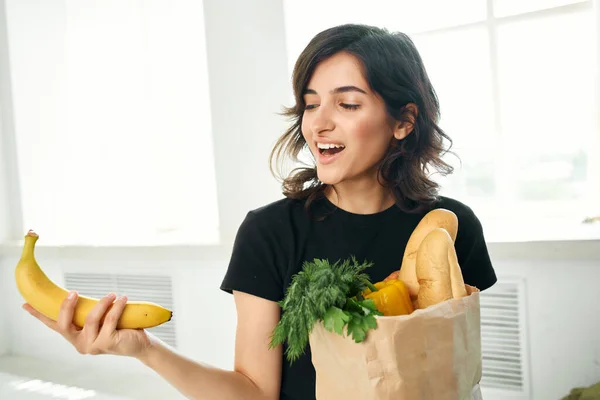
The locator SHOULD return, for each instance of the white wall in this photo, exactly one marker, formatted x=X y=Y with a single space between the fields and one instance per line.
x=561 y=303
x=5 y=143
x=249 y=83
x=4 y=217
x=563 y=316
x=5 y=331
x=204 y=315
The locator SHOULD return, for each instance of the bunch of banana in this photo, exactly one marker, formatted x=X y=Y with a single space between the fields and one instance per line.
x=46 y=297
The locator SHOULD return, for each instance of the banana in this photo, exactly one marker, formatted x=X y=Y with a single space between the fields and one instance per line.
x=46 y=297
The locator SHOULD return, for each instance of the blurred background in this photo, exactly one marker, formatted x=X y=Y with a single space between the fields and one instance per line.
x=135 y=135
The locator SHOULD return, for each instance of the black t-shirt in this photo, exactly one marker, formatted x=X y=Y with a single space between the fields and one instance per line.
x=274 y=241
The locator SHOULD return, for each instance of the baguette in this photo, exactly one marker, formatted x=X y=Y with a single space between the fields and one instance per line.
x=437 y=218
x=438 y=273
x=459 y=289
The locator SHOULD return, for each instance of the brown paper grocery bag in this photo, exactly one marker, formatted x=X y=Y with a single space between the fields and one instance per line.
x=431 y=354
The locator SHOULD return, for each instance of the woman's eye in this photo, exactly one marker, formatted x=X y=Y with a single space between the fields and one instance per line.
x=343 y=105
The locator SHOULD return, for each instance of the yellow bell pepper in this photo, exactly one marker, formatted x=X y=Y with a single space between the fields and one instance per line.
x=391 y=297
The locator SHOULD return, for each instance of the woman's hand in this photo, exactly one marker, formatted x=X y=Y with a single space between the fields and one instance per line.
x=96 y=338
x=393 y=275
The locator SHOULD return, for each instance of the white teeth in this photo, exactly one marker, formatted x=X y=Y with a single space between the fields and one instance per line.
x=330 y=146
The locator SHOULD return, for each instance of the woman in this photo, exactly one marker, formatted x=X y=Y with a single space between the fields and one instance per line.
x=367 y=112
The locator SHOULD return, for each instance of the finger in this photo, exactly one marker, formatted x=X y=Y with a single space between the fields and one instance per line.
x=65 y=316
x=94 y=317
x=112 y=317
x=47 y=321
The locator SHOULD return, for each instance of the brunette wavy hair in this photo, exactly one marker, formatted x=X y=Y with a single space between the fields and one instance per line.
x=394 y=70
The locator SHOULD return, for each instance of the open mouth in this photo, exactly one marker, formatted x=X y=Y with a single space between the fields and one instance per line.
x=330 y=149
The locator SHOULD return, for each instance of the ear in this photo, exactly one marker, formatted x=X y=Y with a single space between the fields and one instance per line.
x=403 y=128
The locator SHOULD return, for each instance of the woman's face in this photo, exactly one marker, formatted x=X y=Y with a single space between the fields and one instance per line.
x=345 y=124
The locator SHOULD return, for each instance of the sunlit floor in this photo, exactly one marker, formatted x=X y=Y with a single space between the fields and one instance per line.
x=25 y=388
x=31 y=379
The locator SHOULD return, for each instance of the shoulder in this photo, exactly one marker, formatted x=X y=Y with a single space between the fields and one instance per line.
x=273 y=220
x=274 y=216
x=471 y=246
x=470 y=230
x=461 y=209
x=261 y=250
x=467 y=219
x=277 y=209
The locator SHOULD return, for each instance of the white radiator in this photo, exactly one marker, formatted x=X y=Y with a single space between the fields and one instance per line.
x=504 y=340
x=154 y=288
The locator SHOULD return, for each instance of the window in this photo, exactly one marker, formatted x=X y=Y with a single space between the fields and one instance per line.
x=112 y=121
x=518 y=84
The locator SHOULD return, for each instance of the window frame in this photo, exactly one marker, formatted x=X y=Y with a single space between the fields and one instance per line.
x=551 y=213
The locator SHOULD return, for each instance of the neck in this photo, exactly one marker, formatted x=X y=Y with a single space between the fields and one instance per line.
x=360 y=197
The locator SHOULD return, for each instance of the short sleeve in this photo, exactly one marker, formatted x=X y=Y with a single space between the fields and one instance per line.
x=253 y=267
x=472 y=253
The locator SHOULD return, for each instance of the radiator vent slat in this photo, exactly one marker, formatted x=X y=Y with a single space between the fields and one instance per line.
x=501 y=337
x=154 y=288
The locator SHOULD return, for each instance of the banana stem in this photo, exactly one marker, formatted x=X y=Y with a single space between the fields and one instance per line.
x=30 y=240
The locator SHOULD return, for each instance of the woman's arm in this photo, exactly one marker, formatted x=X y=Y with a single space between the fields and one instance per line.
x=257 y=369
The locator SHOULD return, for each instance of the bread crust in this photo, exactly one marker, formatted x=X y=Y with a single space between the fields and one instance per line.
x=432 y=269
x=437 y=218
x=438 y=273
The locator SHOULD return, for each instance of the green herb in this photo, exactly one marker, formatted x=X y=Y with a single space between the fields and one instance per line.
x=328 y=293
x=362 y=318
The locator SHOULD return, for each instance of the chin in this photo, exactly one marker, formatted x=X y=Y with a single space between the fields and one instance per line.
x=329 y=177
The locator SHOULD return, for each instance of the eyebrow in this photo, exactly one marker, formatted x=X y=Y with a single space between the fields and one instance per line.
x=342 y=89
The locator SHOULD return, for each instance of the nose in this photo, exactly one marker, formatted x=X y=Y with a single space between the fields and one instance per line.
x=321 y=120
